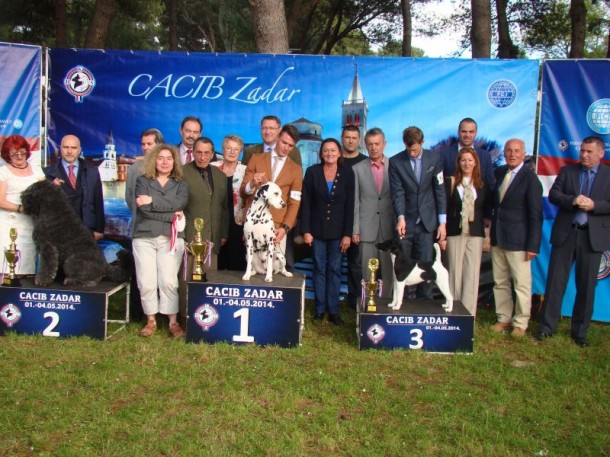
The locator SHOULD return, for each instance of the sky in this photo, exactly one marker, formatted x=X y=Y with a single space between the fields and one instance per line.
x=444 y=45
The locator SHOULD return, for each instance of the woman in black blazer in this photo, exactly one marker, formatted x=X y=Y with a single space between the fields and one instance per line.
x=327 y=219
x=467 y=202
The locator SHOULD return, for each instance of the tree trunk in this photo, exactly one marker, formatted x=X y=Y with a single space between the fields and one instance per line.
x=608 y=49
x=407 y=29
x=103 y=14
x=506 y=47
x=172 y=22
x=480 y=33
x=578 y=19
x=270 y=29
x=61 y=37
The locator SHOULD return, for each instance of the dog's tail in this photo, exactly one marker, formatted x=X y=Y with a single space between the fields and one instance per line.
x=437 y=250
x=121 y=271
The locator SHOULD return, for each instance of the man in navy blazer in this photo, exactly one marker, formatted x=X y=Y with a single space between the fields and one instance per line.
x=467 y=132
x=86 y=195
x=418 y=197
x=581 y=232
x=516 y=230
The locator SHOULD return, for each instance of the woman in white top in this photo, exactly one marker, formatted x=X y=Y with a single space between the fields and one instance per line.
x=16 y=176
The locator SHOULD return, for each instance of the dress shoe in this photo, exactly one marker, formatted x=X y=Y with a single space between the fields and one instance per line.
x=541 y=336
x=581 y=342
x=500 y=327
x=518 y=332
x=318 y=316
x=335 y=319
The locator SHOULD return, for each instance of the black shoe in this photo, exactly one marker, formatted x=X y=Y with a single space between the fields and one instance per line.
x=335 y=319
x=318 y=316
x=541 y=336
x=581 y=342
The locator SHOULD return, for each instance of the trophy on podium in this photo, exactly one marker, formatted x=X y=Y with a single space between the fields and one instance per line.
x=201 y=250
x=372 y=285
x=12 y=257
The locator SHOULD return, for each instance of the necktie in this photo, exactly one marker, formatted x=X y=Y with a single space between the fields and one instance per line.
x=417 y=170
x=581 y=217
x=505 y=184
x=277 y=161
x=72 y=176
x=189 y=156
x=206 y=178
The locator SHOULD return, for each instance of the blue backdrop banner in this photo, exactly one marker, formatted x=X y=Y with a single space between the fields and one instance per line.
x=575 y=105
x=20 y=95
x=94 y=93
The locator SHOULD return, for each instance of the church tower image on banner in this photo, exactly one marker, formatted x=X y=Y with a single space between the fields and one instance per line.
x=355 y=110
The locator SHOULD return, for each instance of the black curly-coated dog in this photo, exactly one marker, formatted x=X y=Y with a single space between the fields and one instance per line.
x=61 y=239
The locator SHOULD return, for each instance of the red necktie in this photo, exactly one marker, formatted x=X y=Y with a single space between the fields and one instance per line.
x=72 y=176
x=189 y=156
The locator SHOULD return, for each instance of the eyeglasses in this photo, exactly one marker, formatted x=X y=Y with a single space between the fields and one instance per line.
x=232 y=149
x=18 y=154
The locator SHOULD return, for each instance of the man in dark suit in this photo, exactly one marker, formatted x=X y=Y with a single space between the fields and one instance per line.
x=467 y=133
x=419 y=199
x=81 y=183
x=191 y=128
x=516 y=230
x=270 y=132
x=278 y=167
x=581 y=232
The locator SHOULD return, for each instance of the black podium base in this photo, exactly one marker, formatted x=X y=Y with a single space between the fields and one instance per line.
x=229 y=309
x=419 y=324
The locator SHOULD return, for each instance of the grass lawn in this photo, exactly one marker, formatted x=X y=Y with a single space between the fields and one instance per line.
x=154 y=397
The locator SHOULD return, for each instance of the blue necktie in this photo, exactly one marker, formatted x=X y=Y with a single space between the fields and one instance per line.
x=581 y=217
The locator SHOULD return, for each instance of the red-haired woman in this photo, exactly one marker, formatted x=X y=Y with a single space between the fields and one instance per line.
x=15 y=177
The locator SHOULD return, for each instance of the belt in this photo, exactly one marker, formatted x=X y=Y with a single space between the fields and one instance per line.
x=580 y=227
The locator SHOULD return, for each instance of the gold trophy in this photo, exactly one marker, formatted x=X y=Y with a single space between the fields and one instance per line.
x=12 y=257
x=371 y=286
x=201 y=250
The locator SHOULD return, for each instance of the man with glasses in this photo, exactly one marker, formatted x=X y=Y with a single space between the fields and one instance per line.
x=270 y=132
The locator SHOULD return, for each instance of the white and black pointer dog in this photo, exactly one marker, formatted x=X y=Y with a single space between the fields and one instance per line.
x=408 y=272
x=62 y=240
x=262 y=255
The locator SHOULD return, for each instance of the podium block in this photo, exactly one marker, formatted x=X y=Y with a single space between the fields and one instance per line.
x=419 y=324
x=231 y=310
x=59 y=312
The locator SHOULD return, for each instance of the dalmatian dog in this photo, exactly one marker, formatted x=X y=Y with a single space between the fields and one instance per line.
x=408 y=272
x=263 y=256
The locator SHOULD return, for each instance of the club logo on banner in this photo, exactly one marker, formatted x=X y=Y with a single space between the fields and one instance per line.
x=206 y=316
x=598 y=116
x=375 y=333
x=79 y=82
x=10 y=314
x=604 y=266
x=502 y=94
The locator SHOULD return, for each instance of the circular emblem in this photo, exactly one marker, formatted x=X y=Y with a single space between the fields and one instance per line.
x=604 y=265
x=563 y=145
x=598 y=116
x=79 y=82
x=10 y=314
x=17 y=123
x=206 y=316
x=502 y=93
x=375 y=333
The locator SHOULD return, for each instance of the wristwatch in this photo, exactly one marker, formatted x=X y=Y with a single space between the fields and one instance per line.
x=285 y=227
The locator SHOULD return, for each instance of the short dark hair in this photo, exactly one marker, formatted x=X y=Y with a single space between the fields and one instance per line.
x=204 y=140
x=156 y=132
x=350 y=128
x=469 y=120
x=595 y=139
x=373 y=132
x=292 y=131
x=331 y=140
x=412 y=135
x=271 y=118
x=193 y=119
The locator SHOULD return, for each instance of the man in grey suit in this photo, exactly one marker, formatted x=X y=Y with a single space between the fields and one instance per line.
x=516 y=229
x=270 y=132
x=373 y=208
x=418 y=195
x=581 y=232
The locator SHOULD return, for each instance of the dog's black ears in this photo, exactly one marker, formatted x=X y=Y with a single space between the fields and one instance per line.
x=262 y=189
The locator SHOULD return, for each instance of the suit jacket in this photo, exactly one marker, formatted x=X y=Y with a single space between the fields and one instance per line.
x=425 y=200
x=290 y=181
x=567 y=187
x=327 y=216
x=372 y=209
x=449 y=158
x=155 y=219
x=517 y=220
x=295 y=154
x=212 y=208
x=87 y=199
x=454 y=211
